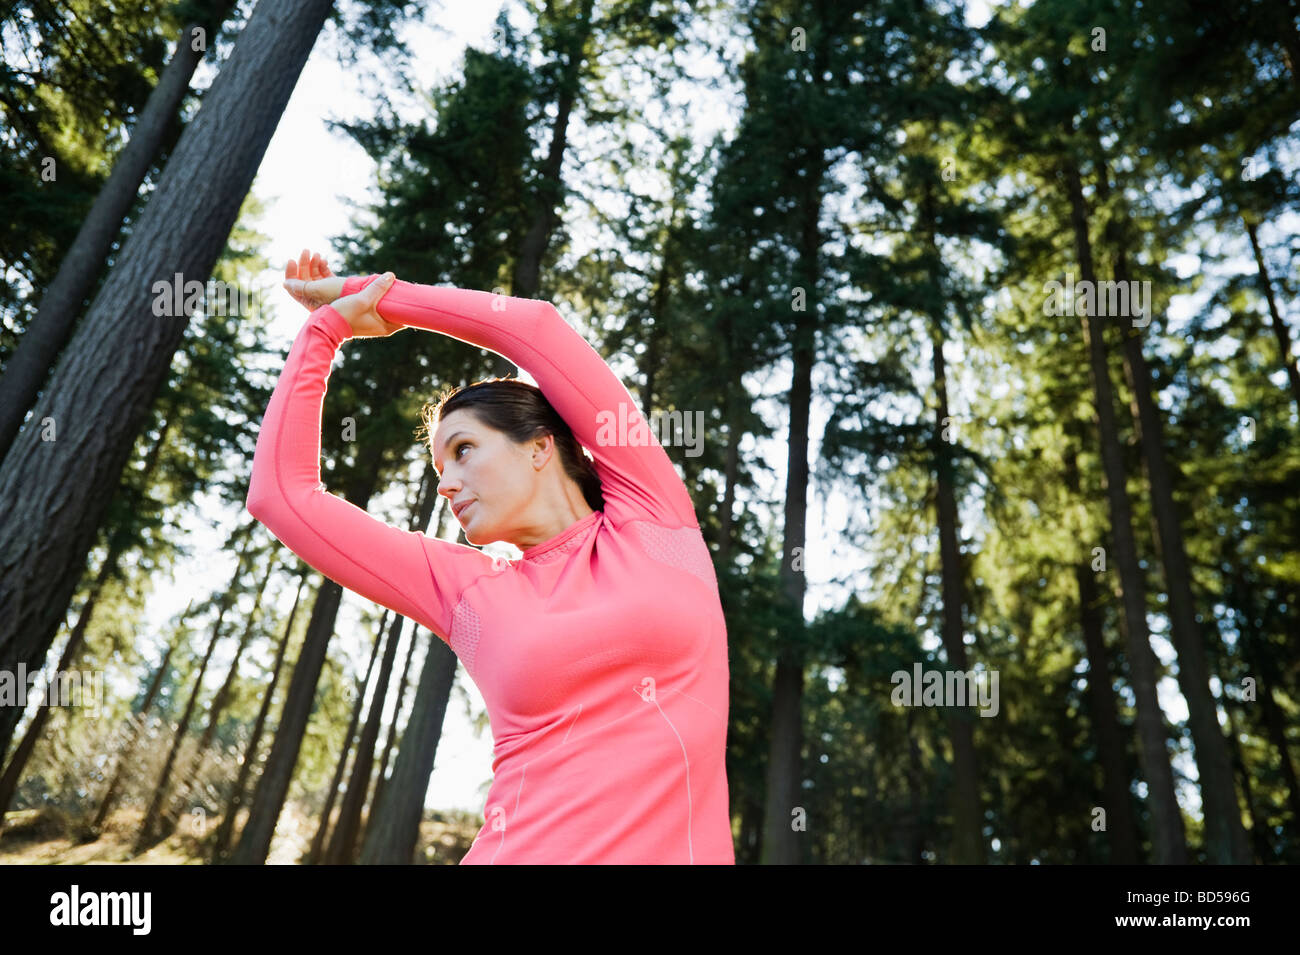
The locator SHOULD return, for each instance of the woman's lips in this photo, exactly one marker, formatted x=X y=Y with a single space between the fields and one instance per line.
x=461 y=513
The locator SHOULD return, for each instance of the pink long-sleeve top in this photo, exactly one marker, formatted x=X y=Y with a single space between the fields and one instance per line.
x=601 y=654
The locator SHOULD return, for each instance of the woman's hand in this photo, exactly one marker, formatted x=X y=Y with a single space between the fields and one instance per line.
x=310 y=282
x=361 y=309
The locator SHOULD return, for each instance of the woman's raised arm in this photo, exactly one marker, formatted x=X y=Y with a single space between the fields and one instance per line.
x=415 y=575
x=638 y=480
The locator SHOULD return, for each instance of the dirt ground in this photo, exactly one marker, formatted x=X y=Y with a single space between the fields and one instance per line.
x=36 y=837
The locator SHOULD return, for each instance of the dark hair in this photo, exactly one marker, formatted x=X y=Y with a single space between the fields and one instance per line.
x=521 y=412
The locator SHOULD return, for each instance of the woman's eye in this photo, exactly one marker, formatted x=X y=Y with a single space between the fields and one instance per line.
x=458 y=447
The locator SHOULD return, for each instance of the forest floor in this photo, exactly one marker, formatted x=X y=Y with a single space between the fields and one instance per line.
x=42 y=837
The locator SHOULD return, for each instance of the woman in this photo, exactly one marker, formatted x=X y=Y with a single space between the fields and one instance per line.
x=601 y=653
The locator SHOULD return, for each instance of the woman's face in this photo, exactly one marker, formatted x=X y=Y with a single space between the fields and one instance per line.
x=481 y=467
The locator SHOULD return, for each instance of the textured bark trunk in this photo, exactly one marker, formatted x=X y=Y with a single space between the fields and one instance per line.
x=110 y=373
x=1121 y=826
x=1280 y=330
x=317 y=850
x=56 y=316
x=273 y=786
x=1225 y=838
x=394 y=829
x=968 y=817
x=1168 y=834
x=343 y=843
x=781 y=844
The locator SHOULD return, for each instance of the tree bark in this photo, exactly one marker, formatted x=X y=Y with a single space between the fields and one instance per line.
x=1121 y=826
x=1280 y=330
x=111 y=371
x=61 y=303
x=14 y=768
x=322 y=829
x=1167 y=830
x=1225 y=837
x=394 y=829
x=343 y=843
x=781 y=844
x=781 y=841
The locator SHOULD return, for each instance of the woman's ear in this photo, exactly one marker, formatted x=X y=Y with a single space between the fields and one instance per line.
x=543 y=448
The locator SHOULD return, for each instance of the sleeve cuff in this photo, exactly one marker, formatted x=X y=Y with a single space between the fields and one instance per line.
x=334 y=325
x=355 y=283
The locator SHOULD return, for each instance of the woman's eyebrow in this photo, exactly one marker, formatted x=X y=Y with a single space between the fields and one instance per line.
x=453 y=437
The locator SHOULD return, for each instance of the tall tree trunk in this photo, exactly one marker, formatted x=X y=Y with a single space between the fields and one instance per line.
x=273 y=786
x=968 y=815
x=394 y=829
x=342 y=845
x=1168 y=833
x=14 y=768
x=1263 y=667
x=781 y=841
x=322 y=828
x=382 y=775
x=221 y=847
x=785 y=769
x=526 y=280
x=61 y=303
x=120 y=355
x=1121 y=826
x=119 y=539
x=1225 y=838
x=968 y=847
x=550 y=189
x=150 y=831
x=1280 y=330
